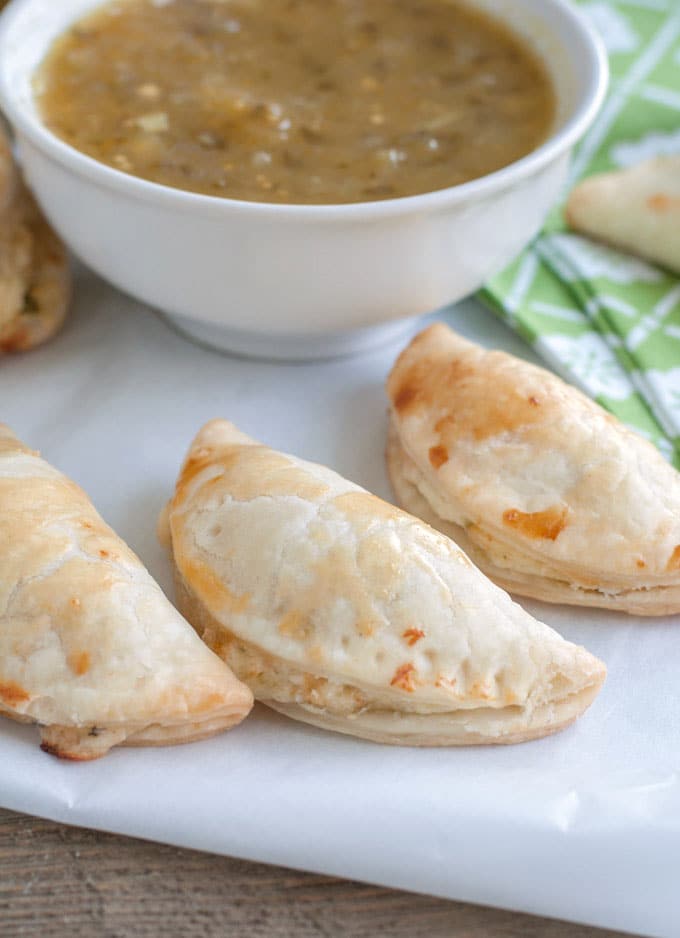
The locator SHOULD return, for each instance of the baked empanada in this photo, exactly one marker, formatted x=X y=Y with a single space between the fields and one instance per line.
x=342 y=611
x=90 y=648
x=35 y=276
x=548 y=494
x=635 y=209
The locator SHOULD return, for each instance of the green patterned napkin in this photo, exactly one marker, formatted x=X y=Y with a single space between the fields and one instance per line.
x=607 y=322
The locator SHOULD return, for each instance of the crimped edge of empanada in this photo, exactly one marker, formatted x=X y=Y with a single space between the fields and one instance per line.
x=451 y=728
x=82 y=744
x=354 y=714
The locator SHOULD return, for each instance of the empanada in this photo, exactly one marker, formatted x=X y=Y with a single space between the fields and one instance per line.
x=90 y=648
x=342 y=611
x=35 y=276
x=549 y=494
x=635 y=209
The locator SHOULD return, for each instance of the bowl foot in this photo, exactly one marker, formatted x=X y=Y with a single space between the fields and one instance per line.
x=288 y=347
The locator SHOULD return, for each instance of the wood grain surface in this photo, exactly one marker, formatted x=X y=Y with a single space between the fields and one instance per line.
x=63 y=881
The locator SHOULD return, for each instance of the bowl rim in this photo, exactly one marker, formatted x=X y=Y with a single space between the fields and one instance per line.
x=595 y=63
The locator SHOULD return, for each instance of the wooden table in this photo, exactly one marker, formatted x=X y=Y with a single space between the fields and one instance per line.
x=62 y=881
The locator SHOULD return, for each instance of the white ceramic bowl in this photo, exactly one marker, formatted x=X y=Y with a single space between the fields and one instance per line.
x=296 y=280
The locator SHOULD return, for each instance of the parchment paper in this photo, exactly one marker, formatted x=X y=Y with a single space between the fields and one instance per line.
x=583 y=826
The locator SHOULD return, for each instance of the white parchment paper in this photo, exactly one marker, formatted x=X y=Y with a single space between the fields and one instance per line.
x=584 y=825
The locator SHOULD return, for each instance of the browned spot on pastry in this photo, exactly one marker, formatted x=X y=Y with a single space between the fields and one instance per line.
x=478 y=389
x=405 y=396
x=480 y=416
x=509 y=698
x=438 y=456
x=448 y=682
x=208 y=586
x=442 y=424
x=293 y=626
x=365 y=627
x=674 y=560
x=318 y=692
x=220 y=642
x=545 y=524
x=12 y=694
x=660 y=202
x=641 y=564
x=426 y=381
x=481 y=690
x=198 y=459
x=249 y=471
x=412 y=635
x=313 y=689
x=79 y=663
x=403 y=678
x=104 y=554
x=209 y=702
x=75 y=602
x=315 y=653
x=362 y=505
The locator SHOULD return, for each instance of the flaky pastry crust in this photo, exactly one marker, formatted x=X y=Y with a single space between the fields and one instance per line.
x=343 y=611
x=90 y=648
x=550 y=495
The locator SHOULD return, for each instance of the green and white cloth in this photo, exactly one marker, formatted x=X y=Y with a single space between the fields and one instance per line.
x=605 y=321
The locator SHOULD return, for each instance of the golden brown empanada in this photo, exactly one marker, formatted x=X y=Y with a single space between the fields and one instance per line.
x=549 y=494
x=342 y=611
x=635 y=209
x=90 y=648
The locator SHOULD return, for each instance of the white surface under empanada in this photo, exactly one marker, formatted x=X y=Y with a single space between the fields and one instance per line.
x=90 y=648
x=342 y=611
x=550 y=495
